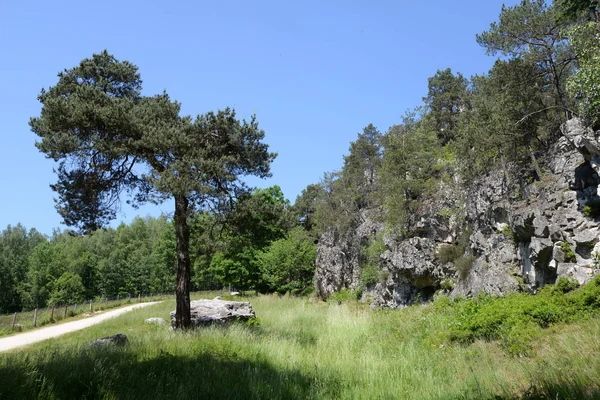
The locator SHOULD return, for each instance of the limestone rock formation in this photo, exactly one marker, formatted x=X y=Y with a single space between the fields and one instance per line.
x=520 y=236
x=217 y=311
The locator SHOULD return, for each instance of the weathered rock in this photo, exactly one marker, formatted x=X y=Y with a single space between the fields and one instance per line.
x=209 y=312
x=516 y=230
x=583 y=274
x=156 y=321
x=483 y=278
x=118 y=340
x=338 y=255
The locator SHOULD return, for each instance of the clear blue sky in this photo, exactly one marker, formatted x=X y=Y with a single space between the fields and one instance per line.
x=315 y=73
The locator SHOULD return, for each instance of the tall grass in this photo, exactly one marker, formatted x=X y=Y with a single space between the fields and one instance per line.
x=301 y=350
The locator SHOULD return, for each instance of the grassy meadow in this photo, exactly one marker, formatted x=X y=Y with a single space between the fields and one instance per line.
x=302 y=349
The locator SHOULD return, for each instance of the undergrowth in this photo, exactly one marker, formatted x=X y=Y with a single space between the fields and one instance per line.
x=302 y=349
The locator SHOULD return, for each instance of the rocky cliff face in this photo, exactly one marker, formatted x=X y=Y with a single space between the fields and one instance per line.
x=516 y=239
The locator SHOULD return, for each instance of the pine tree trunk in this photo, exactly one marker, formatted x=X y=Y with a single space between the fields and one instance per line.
x=182 y=235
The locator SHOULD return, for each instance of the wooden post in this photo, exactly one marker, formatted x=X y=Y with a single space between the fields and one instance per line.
x=35 y=318
x=52 y=313
x=91 y=309
x=14 y=321
x=66 y=311
x=139 y=298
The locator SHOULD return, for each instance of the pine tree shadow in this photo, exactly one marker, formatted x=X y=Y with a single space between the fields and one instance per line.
x=119 y=374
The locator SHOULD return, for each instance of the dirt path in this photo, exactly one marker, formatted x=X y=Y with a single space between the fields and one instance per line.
x=38 y=335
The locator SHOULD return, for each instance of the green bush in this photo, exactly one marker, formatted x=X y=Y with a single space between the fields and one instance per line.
x=569 y=254
x=342 y=296
x=450 y=252
x=510 y=319
x=288 y=265
x=565 y=285
x=591 y=209
x=369 y=275
x=464 y=264
x=371 y=271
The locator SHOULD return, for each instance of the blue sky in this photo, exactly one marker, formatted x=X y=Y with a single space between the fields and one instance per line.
x=314 y=72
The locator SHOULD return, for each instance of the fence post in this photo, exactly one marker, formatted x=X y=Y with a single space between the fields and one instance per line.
x=35 y=318
x=139 y=298
x=106 y=302
x=52 y=314
x=66 y=307
x=91 y=309
x=14 y=320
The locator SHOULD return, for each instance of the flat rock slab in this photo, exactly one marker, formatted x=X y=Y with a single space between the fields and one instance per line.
x=217 y=311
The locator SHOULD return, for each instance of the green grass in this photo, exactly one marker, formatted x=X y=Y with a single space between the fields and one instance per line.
x=305 y=349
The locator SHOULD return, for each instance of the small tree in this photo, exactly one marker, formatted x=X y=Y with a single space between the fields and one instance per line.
x=108 y=140
x=68 y=289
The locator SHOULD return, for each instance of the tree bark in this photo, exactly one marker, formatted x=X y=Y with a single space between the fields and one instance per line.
x=182 y=234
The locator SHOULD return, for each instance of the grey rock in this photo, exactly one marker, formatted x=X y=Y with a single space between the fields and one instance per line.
x=570 y=270
x=156 y=321
x=483 y=278
x=219 y=312
x=118 y=340
x=516 y=232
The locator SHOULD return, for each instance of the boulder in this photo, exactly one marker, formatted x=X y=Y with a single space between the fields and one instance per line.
x=156 y=321
x=217 y=311
x=118 y=340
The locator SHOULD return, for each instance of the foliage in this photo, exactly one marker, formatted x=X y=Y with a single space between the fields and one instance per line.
x=370 y=264
x=529 y=31
x=568 y=252
x=16 y=243
x=343 y=296
x=591 y=209
x=305 y=208
x=584 y=84
x=288 y=264
x=450 y=252
x=565 y=285
x=68 y=289
x=503 y=318
x=447 y=97
x=408 y=171
x=109 y=139
x=464 y=264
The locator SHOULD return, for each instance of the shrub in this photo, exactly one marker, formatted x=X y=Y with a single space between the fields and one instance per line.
x=464 y=264
x=569 y=254
x=513 y=319
x=591 y=209
x=447 y=285
x=369 y=275
x=565 y=285
x=342 y=296
x=450 y=252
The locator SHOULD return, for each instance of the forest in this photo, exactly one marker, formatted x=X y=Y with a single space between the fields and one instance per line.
x=547 y=72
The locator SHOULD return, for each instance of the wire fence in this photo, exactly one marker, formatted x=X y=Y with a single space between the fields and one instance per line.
x=26 y=320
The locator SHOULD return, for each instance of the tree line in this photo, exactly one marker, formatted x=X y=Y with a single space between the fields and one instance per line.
x=262 y=247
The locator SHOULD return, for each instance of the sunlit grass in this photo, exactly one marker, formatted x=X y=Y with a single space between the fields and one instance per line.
x=305 y=349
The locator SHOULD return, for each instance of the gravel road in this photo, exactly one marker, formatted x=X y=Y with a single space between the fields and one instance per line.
x=38 y=335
